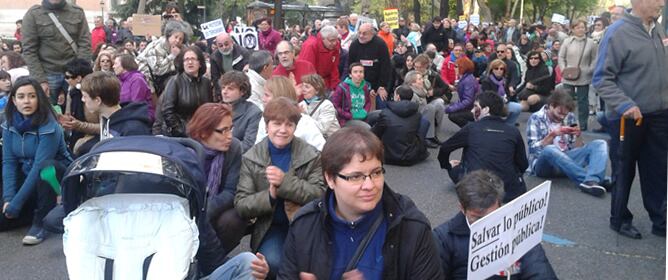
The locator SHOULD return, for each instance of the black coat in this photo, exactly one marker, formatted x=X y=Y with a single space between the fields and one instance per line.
x=397 y=127
x=438 y=37
x=181 y=98
x=376 y=60
x=540 y=77
x=409 y=250
x=452 y=238
x=240 y=59
x=493 y=145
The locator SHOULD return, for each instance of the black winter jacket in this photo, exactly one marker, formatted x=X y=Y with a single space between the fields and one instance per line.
x=436 y=36
x=397 y=127
x=131 y=119
x=493 y=145
x=181 y=98
x=452 y=238
x=409 y=251
x=376 y=60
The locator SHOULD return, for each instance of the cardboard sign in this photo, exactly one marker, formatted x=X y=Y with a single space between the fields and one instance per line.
x=140 y=162
x=143 y=25
x=392 y=17
x=246 y=36
x=502 y=237
x=558 y=18
x=462 y=24
x=212 y=28
x=475 y=19
x=361 y=20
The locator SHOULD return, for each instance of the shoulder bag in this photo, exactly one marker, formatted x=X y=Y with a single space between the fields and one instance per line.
x=573 y=73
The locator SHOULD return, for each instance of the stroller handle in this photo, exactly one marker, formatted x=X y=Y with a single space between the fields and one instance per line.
x=190 y=143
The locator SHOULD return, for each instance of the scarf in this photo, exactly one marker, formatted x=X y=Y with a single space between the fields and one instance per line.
x=500 y=85
x=313 y=99
x=46 y=4
x=266 y=33
x=215 y=160
x=453 y=58
x=21 y=123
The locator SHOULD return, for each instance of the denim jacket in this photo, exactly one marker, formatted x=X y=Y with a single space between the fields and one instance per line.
x=23 y=152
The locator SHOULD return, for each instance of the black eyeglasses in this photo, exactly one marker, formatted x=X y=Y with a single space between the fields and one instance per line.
x=224 y=130
x=360 y=178
x=534 y=58
x=69 y=77
x=500 y=68
x=500 y=51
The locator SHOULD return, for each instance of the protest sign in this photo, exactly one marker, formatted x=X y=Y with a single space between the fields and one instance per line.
x=558 y=18
x=502 y=237
x=246 y=37
x=475 y=19
x=212 y=28
x=361 y=20
x=462 y=24
x=143 y=25
x=392 y=17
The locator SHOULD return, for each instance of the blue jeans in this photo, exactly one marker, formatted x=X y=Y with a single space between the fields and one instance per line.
x=514 y=110
x=552 y=162
x=238 y=267
x=423 y=129
x=57 y=85
x=272 y=248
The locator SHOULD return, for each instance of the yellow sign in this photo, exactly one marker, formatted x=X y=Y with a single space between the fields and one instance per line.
x=392 y=17
x=462 y=18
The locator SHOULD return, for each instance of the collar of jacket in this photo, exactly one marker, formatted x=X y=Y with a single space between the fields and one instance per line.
x=302 y=153
x=46 y=128
x=458 y=225
x=190 y=79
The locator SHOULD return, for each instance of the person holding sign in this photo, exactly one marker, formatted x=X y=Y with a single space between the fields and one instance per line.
x=480 y=193
x=360 y=228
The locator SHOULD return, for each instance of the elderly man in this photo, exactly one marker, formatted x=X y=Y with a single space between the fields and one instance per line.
x=290 y=67
x=616 y=13
x=229 y=56
x=630 y=76
x=99 y=34
x=371 y=52
x=324 y=52
x=46 y=50
x=260 y=67
x=353 y=22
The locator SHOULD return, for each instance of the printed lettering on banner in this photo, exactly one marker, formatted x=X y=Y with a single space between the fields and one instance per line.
x=212 y=28
x=475 y=19
x=462 y=24
x=558 y=18
x=246 y=37
x=502 y=237
x=391 y=16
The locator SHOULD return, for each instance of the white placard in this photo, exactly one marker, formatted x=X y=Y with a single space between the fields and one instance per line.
x=502 y=237
x=475 y=19
x=362 y=19
x=212 y=28
x=246 y=36
x=462 y=24
x=558 y=18
x=130 y=161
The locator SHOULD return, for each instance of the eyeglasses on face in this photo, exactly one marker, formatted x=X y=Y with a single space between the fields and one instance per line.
x=534 y=58
x=69 y=77
x=224 y=130
x=500 y=68
x=360 y=178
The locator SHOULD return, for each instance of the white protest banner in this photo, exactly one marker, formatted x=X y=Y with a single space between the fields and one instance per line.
x=558 y=18
x=212 y=28
x=361 y=20
x=246 y=37
x=475 y=19
x=462 y=24
x=502 y=237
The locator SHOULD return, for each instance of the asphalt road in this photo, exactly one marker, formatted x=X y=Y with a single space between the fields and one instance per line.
x=578 y=242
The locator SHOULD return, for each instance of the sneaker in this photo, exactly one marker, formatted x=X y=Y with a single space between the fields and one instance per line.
x=592 y=188
x=608 y=185
x=36 y=235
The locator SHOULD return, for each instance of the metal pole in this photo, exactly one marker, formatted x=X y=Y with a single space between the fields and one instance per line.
x=521 y=12
x=432 y=8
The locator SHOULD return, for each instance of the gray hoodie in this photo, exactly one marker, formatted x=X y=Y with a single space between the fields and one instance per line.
x=632 y=68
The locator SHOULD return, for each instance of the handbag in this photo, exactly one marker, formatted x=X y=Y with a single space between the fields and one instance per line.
x=573 y=73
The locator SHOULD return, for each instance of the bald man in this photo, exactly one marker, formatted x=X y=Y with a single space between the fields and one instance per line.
x=229 y=56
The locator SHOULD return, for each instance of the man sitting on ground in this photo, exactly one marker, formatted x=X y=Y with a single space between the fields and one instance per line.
x=556 y=148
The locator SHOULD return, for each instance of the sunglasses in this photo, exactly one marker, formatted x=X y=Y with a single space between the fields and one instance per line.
x=500 y=68
x=69 y=77
x=500 y=51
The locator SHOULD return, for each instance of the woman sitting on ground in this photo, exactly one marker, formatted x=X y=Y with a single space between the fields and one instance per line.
x=316 y=104
x=538 y=83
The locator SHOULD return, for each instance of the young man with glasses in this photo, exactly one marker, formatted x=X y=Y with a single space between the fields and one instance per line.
x=556 y=148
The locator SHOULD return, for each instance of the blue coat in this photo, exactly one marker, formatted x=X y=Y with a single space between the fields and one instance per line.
x=467 y=89
x=23 y=152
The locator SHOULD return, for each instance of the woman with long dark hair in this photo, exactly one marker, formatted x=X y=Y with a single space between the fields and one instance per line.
x=538 y=83
x=33 y=150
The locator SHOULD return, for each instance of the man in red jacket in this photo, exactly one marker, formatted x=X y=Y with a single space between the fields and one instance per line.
x=98 y=35
x=324 y=51
x=290 y=67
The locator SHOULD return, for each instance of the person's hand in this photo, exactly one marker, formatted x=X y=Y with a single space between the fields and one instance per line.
x=530 y=85
x=404 y=39
x=4 y=210
x=175 y=50
x=353 y=275
x=382 y=93
x=452 y=88
x=454 y=162
x=275 y=176
x=61 y=99
x=373 y=93
x=259 y=267
x=45 y=87
x=430 y=92
x=68 y=122
x=307 y=276
x=633 y=113
x=512 y=91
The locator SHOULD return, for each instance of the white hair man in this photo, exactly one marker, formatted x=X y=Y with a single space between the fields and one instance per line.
x=324 y=52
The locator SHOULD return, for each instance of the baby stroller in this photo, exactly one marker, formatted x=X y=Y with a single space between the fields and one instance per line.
x=134 y=205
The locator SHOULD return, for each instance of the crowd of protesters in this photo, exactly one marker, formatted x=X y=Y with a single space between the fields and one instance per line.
x=292 y=131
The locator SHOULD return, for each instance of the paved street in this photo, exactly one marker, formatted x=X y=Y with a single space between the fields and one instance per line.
x=578 y=241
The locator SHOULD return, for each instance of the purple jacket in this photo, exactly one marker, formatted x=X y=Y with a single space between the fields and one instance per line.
x=467 y=89
x=135 y=89
x=269 y=40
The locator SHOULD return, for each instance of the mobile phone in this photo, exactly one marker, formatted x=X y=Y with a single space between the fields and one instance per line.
x=573 y=125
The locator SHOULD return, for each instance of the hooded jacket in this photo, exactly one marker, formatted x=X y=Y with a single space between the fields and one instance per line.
x=134 y=88
x=325 y=61
x=397 y=127
x=131 y=119
x=631 y=69
x=342 y=101
x=452 y=239
x=408 y=251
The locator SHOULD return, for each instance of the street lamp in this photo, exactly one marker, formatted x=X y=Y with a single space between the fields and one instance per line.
x=102 y=6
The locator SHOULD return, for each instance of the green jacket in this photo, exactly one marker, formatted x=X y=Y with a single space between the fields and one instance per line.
x=302 y=183
x=45 y=49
